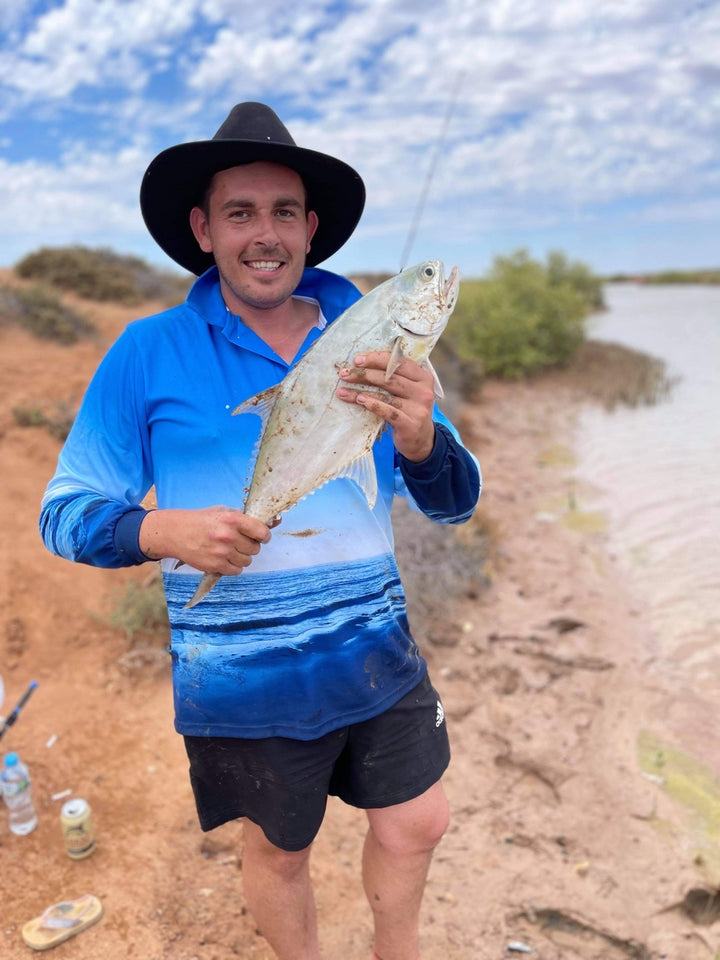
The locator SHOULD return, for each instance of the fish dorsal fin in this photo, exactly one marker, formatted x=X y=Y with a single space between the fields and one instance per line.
x=437 y=386
x=362 y=472
x=261 y=404
x=396 y=355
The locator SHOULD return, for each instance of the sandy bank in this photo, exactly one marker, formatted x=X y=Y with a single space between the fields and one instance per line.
x=558 y=841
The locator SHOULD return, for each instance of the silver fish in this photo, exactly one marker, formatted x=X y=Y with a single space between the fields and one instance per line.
x=309 y=435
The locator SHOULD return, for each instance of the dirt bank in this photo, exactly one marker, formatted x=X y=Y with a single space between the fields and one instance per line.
x=558 y=842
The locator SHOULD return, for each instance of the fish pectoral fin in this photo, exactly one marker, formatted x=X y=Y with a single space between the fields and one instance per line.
x=362 y=472
x=437 y=386
x=396 y=355
x=261 y=404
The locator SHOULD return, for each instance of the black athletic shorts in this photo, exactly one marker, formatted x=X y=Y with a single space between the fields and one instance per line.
x=282 y=785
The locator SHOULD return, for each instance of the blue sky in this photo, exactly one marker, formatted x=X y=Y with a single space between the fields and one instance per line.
x=593 y=128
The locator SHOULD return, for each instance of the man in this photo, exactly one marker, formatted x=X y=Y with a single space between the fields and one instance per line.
x=299 y=679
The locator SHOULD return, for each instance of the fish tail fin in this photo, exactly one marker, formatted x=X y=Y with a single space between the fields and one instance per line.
x=204 y=587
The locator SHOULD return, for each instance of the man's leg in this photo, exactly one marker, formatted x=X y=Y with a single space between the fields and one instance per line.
x=279 y=894
x=398 y=850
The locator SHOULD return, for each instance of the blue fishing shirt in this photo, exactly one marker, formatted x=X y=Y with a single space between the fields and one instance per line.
x=314 y=634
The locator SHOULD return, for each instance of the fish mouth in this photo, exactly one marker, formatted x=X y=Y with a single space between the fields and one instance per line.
x=447 y=294
x=449 y=289
x=412 y=333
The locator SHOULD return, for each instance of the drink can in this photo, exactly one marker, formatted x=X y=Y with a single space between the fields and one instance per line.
x=77 y=828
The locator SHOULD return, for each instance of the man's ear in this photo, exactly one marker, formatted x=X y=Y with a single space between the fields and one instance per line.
x=312 y=223
x=199 y=226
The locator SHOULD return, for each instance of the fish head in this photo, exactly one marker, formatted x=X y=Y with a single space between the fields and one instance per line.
x=422 y=306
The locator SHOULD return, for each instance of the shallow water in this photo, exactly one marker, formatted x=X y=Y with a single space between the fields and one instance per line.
x=656 y=472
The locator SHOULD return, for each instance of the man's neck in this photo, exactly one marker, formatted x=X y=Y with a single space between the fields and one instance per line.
x=285 y=327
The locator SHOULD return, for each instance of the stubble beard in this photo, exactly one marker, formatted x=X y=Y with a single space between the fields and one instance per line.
x=251 y=291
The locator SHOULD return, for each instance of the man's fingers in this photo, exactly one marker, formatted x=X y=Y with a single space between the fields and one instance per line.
x=239 y=523
x=379 y=360
x=406 y=381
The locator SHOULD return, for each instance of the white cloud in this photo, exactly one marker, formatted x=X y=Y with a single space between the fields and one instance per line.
x=85 y=43
x=85 y=194
x=564 y=109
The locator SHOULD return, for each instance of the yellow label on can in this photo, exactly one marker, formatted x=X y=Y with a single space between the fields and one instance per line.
x=77 y=828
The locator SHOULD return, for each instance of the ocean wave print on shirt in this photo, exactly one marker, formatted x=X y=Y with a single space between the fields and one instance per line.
x=291 y=653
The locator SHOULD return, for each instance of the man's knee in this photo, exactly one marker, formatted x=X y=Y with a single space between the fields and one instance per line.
x=260 y=852
x=416 y=826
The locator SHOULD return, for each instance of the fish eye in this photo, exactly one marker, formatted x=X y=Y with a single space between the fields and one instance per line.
x=428 y=272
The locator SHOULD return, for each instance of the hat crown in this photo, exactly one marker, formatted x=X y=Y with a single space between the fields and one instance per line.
x=176 y=179
x=254 y=121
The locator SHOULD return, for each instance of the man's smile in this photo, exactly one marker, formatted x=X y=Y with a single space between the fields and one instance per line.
x=267 y=265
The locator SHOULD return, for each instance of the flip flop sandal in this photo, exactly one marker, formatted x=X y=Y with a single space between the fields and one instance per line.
x=62 y=921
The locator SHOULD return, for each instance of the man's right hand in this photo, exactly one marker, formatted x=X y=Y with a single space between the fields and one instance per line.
x=217 y=540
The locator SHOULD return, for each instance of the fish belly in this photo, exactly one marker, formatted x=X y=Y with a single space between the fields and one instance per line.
x=302 y=450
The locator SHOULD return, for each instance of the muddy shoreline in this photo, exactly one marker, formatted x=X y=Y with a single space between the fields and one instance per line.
x=559 y=840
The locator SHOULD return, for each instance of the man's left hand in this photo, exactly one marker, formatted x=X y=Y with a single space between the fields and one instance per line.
x=406 y=403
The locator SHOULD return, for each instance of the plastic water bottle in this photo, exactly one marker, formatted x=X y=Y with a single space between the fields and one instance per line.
x=18 y=797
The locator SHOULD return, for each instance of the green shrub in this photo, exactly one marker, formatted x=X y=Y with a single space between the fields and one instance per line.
x=578 y=276
x=522 y=317
x=708 y=276
x=100 y=274
x=29 y=417
x=42 y=313
x=58 y=422
x=140 y=609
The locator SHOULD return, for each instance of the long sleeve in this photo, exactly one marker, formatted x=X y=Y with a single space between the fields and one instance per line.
x=445 y=486
x=90 y=512
x=157 y=412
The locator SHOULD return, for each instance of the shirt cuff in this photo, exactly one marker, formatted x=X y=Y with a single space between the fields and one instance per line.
x=429 y=467
x=127 y=535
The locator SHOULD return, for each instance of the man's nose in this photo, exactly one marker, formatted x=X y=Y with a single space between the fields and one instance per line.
x=266 y=229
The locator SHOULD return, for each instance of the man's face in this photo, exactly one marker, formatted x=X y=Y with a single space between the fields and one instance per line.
x=257 y=230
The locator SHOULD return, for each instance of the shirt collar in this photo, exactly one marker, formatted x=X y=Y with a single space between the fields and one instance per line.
x=205 y=298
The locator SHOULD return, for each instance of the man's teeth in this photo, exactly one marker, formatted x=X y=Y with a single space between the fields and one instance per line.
x=265 y=264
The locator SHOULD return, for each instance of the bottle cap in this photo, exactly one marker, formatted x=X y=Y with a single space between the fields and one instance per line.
x=11 y=759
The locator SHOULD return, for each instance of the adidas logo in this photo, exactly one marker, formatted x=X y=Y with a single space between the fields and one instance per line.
x=440 y=715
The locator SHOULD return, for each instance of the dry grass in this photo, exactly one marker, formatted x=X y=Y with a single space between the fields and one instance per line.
x=57 y=421
x=614 y=375
x=103 y=275
x=42 y=313
x=440 y=566
x=139 y=610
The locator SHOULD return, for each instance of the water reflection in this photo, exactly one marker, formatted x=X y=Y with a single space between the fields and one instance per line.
x=657 y=468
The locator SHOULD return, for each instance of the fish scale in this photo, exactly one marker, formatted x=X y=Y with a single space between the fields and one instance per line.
x=309 y=435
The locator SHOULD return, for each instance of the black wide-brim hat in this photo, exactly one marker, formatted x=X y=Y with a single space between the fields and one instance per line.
x=176 y=180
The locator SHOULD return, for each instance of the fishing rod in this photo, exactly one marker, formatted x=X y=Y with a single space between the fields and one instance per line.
x=10 y=720
x=431 y=171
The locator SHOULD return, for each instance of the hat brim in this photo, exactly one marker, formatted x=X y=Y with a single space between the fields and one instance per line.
x=176 y=179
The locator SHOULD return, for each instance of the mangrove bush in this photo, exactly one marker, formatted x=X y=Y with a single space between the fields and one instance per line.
x=524 y=315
